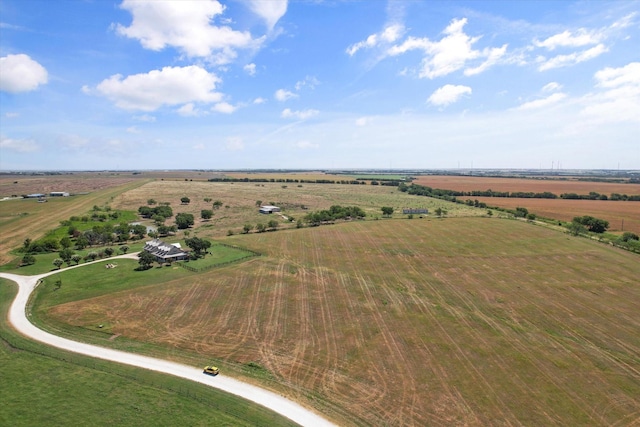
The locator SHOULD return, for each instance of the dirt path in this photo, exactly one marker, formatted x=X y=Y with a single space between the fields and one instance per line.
x=277 y=403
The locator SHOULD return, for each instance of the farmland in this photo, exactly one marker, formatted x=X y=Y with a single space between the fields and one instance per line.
x=622 y=215
x=410 y=322
x=463 y=320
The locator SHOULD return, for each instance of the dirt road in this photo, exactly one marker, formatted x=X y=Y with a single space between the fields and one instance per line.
x=279 y=404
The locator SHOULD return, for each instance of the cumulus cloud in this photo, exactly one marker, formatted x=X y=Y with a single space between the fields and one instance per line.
x=259 y=100
x=157 y=88
x=544 y=102
x=301 y=115
x=450 y=53
x=388 y=35
x=20 y=73
x=615 y=77
x=283 y=95
x=448 y=94
x=19 y=145
x=572 y=58
x=270 y=11
x=185 y=25
x=224 y=107
x=189 y=110
x=250 y=69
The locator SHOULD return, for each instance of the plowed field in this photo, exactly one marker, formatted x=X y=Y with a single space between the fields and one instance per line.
x=465 y=321
x=622 y=216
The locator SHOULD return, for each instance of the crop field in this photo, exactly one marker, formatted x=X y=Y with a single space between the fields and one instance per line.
x=459 y=321
x=556 y=186
x=622 y=216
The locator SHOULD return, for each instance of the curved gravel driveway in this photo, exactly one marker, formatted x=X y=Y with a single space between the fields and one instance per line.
x=275 y=402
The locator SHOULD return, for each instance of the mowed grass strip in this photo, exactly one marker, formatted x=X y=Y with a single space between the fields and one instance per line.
x=46 y=386
x=411 y=322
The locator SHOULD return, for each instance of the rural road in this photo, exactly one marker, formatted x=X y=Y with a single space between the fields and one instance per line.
x=275 y=402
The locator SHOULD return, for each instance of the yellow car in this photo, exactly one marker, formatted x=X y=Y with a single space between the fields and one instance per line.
x=211 y=370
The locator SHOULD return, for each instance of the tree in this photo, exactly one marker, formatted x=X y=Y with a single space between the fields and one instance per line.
x=206 y=214
x=58 y=263
x=575 y=228
x=387 y=211
x=146 y=260
x=628 y=236
x=28 y=259
x=65 y=242
x=207 y=199
x=273 y=224
x=76 y=258
x=139 y=231
x=26 y=244
x=66 y=255
x=258 y=203
x=185 y=200
x=438 y=211
x=151 y=202
x=184 y=220
x=260 y=227
x=124 y=249
x=108 y=251
x=247 y=228
x=198 y=245
x=92 y=256
x=592 y=224
x=217 y=204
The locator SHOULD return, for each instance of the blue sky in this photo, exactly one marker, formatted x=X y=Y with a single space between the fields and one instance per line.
x=120 y=85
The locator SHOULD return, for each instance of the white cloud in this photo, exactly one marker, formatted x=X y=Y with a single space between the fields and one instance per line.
x=301 y=115
x=448 y=94
x=449 y=54
x=145 y=118
x=234 y=144
x=169 y=86
x=619 y=101
x=133 y=129
x=572 y=58
x=224 y=108
x=493 y=56
x=11 y=115
x=189 y=110
x=199 y=147
x=250 y=69
x=19 y=145
x=551 y=87
x=310 y=81
x=283 y=95
x=614 y=77
x=259 y=100
x=271 y=11
x=539 y=103
x=389 y=34
x=185 y=25
x=20 y=73
x=568 y=39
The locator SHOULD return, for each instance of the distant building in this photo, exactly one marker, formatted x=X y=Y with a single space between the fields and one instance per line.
x=415 y=211
x=59 y=194
x=267 y=209
x=165 y=252
x=34 y=196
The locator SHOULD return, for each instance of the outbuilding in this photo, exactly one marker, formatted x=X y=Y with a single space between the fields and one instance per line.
x=267 y=209
x=59 y=194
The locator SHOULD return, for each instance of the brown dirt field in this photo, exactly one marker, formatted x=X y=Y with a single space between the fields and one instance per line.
x=614 y=212
x=464 y=321
x=73 y=183
x=556 y=186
